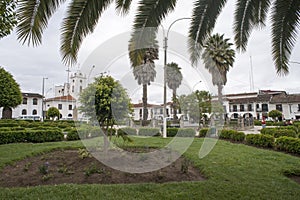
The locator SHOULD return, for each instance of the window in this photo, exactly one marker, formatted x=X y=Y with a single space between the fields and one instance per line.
x=279 y=107
x=234 y=108
x=141 y=113
x=161 y=111
x=69 y=115
x=70 y=107
x=73 y=88
x=34 y=112
x=34 y=101
x=242 y=108
x=59 y=106
x=250 y=107
x=24 y=112
x=80 y=88
x=235 y=115
x=24 y=100
x=264 y=107
x=257 y=105
x=298 y=107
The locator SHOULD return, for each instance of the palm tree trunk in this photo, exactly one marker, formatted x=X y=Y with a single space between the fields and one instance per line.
x=174 y=106
x=220 y=101
x=145 y=110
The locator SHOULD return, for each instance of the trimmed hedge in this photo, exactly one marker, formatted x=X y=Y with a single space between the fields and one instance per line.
x=180 y=132
x=288 y=144
x=34 y=136
x=149 y=132
x=232 y=135
x=127 y=131
x=278 y=132
x=73 y=135
x=171 y=132
x=260 y=140
x=203 y=132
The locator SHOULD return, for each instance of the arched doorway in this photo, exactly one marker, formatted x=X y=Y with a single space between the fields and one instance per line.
x=7 y=113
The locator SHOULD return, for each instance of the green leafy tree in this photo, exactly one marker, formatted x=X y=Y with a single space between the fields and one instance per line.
x=174 y=79
x=52 y=113
x=196 y=105
x=10 y=93
x=106 y=101
x=218 y=57
x=7 y=17
x=275 y=114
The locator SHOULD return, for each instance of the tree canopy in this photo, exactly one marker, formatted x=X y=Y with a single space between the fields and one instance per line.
x=53 y=113
x=10 y=93
x=274 y=114
x=106 y=101
x=7 y=17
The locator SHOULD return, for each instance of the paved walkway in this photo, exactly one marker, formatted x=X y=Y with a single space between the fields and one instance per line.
x=254 y=130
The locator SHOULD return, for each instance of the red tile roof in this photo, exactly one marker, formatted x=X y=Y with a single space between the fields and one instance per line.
x=62 y=98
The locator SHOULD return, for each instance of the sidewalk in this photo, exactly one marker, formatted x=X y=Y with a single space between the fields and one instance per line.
x=254 y=130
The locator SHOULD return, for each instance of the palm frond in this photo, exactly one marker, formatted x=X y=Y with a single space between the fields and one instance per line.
x=261 y=8
x=149 y=15
x=33 y=16
x=204 y=17
x=285 y=20
x=248 y=14
x=123 y=6
x=82 y=17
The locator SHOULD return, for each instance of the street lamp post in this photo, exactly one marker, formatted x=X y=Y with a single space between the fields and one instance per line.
x=165 y=36
x=43 y=98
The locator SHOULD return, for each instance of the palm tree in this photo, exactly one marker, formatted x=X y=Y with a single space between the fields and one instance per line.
x=218 y=57
x=174 y=79
x=145 y=74
x=83 y=15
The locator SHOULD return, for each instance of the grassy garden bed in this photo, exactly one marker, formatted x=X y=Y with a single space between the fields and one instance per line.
x=233 y=171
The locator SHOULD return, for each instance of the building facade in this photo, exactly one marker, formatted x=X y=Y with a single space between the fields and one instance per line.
x=30 y=108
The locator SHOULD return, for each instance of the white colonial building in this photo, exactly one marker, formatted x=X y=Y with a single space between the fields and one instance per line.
x=259 y=104
x=30 y=108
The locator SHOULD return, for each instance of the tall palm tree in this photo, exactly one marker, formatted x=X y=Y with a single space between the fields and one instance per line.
x=174 y=79
x=145 y=74
x=82 y=17
x=218 y=57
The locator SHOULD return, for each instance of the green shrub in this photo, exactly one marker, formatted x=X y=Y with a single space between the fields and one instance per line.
x=260 y=140
x=186 y=132
x=238 y=136
x=34 y=136
x=171 y=132
x=288 y=144
x=180 y=132
x=127 y=131
x=73 y=135
x=44 y=136
x=203 y=132
x=149 y=131
x=280 y=131
x=232 y=135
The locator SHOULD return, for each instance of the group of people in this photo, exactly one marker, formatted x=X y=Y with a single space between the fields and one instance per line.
x=286 y=122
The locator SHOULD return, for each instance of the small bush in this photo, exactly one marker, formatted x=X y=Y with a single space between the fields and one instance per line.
x=260 y=140
x=278 y=132
x=149 y=131
x=238 y=136
x=232 y=135
x=180 y=132
x=186 y=132
x=203 y=132
x=73 y=135
x=288 y=144
x=171 y=132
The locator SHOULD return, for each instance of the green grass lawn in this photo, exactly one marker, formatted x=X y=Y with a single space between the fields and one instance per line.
x=234 y=171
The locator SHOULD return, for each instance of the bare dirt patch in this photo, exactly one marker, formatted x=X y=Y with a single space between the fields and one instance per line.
x=66 y=166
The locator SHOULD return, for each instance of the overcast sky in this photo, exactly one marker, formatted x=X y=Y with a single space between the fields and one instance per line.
x=29 y=65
